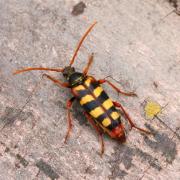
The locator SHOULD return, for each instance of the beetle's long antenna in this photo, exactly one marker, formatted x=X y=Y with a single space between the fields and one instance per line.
x=56 y=69
x=37 y=68
x=81 y=41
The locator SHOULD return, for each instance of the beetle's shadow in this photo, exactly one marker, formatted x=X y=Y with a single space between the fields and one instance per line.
x=78 y=114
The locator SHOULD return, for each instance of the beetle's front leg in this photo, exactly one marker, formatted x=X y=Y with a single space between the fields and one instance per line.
x=57 y=82
x=101 y=81
x=85 y=71
x=68 y=106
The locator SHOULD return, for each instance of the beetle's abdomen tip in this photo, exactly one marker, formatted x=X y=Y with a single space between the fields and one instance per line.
x=119 y=133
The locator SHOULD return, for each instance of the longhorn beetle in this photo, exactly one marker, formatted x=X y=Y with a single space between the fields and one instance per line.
x=99 y=109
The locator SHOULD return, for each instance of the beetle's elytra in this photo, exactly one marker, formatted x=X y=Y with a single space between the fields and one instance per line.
x=100 y=110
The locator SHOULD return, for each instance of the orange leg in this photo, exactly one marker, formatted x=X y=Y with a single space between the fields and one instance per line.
x=98 y=130
x=101 y=81
x=58 y=82
x=128 y=118
x=68 y=105
x=85 y=71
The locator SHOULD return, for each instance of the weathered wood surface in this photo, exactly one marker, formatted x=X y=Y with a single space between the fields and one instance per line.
x=134 y=43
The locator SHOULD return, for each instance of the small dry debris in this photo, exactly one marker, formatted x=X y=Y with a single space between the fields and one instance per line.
x=176 y=5
x=78 y=8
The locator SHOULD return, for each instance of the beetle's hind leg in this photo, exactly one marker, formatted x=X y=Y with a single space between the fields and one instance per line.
x=116 y=104
x=68 y=105
x=98 y=130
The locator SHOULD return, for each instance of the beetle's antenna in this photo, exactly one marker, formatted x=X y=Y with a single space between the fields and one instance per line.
x=81 y=41
x=37 y=68
x=56 y=69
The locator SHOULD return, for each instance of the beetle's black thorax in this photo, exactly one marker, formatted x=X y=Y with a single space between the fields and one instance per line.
x=76 y=79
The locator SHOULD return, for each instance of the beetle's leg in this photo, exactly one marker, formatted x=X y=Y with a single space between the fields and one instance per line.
x=58 y=82
x=129 y=119
x=98 y=130
x=101 y=81
x=68 y=106
x=90 y=60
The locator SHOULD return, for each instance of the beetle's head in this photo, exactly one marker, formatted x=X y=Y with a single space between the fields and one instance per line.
x=74 y=78
x=68 y=71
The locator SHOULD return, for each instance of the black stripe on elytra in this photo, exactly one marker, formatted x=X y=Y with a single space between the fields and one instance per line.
x=102 y=117
x=114 y=123
x=89 y=106
x=102 y=97
x=83 y=93
x=111 y=109
x=93 y=85
x=90 y=89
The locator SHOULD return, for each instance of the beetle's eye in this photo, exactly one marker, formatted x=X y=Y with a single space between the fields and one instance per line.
x=65 y=74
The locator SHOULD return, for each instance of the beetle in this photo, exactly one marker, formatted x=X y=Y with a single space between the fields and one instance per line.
x=100 y=111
